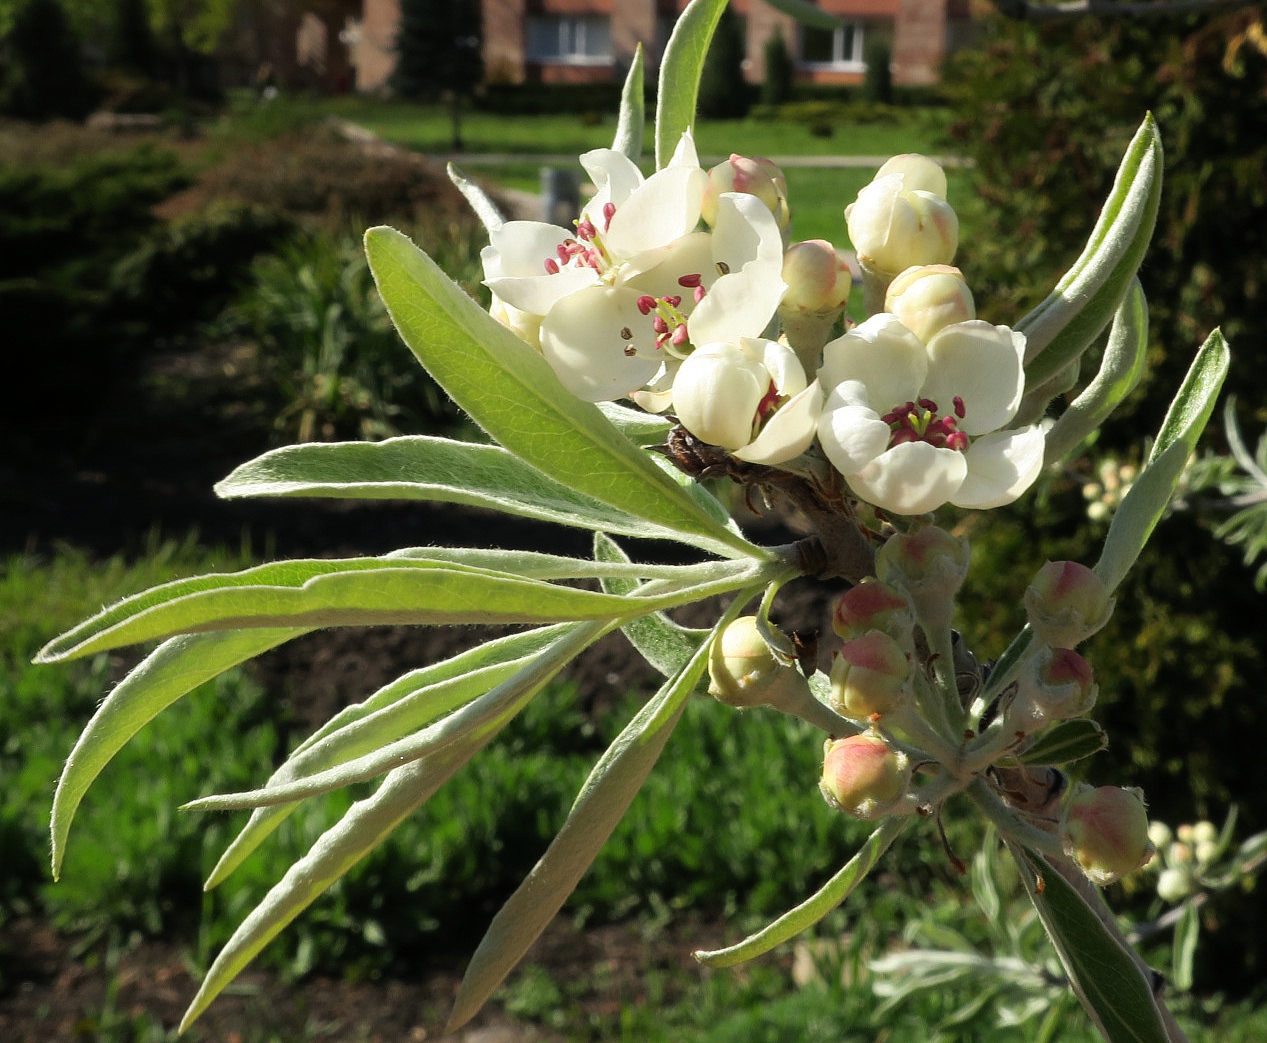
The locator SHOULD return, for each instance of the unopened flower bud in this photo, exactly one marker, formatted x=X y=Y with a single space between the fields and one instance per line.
x=862 y=776
x=928 y=298
x=1105 y=830
x=929 y=565
x=1174 y=885
x=872 y=605
x=902 y=218
x=817 y=277
x=1054 y=684
x=1207 y=851
x=1066 y=603
x=753 y=176
x=1186 y=834
x=1160 y=834
x=1204 y=832
x=1179 y=854
x=869 y=677
x=744 y=671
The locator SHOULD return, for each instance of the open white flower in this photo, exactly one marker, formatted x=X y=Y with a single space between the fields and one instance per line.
x=614 y=297
x=751 y=398
x=913 y=426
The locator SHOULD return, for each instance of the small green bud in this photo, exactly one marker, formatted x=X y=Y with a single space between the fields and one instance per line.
x=1054 y=684
x=1105 y=830
x=743 y=670
x=862 y=776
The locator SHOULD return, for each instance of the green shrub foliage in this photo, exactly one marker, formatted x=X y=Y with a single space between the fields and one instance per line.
x=776 y=88
x=724 y=94
x=41 y=66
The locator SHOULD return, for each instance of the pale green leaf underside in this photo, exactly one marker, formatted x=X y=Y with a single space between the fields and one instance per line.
x=602 y=802
x=360 y=592
x=818 y=905
x=510 y=391
x=415 y=684
x=1104 y=975
x=368 y=822
x=1147 y=499
x=419 y=467
x=680 y=69
x=171 y=671
x=633 y=113
x=1084 y=300
x=485 y=209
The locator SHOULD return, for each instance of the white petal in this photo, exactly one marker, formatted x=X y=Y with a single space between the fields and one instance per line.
x=1001 y=466
x=685 y=154
x=521 y=248
x=882 y=353
x=614 y=174
x=918 y=173
x=740 y=304
x=657 y=396
x=981 y=364
x=911 y=478
x=782 y=363
x=851 y=434
x=663 y=209
x=581 y=339
x=657 y=271
x=789 y=432
x=745 y=230
x=716 y=394
x=537 y=294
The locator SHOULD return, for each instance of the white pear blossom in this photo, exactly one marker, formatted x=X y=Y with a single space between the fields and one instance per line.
x=913 y=426
x=902 y=218
x=622 y=298
x=751 y=398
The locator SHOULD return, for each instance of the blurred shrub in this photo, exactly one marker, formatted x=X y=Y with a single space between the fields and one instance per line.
x=41 y=65
x=724 y=93
x=780 y=72
x=548 y=99
x=327 y=349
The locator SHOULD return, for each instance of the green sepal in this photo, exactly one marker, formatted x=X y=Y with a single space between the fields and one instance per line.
x=1065 y=742
x=510 y=391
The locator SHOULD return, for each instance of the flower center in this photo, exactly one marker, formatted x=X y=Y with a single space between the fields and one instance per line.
x=921 y=421
x=587 y=249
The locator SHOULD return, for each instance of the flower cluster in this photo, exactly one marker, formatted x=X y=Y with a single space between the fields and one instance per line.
x=679 y=292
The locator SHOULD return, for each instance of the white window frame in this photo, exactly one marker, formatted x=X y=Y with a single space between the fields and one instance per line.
x=839 y=62
x=571 y=33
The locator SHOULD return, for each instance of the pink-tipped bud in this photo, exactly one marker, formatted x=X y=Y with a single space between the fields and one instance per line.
x=1066 y=603
x=929 y=565
x=754 y=177
x=872 y=605
x=744 y=671
x=862 y=776
x=1105 y=830
x=869 y=677
x=927 y=298
x=818 y=279
x=1054 y=685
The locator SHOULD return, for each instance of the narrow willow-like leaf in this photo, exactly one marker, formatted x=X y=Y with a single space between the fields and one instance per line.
x=1065 y=742
x=806 y=13
x=510 y=391
x=365 y=825
x=639 y=427
x=1124 y=362
x=664 y=644
x=1102 y=970
x=485 y=209
x=375 y=744
x=680 y=69
x=633 y=109
x=1146 y=500
x=818 y=905
x=1081 y=305
x=362 y=592
x=599 y=807
x=536 y=565
x=1187 y=933
x=419 y=467
x=171 y=671
x=500 y=650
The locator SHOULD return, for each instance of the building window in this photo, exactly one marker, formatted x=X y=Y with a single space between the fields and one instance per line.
x=839 y=48
x=570 y=39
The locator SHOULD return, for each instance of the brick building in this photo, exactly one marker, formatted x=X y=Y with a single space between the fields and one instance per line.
x=593 y=41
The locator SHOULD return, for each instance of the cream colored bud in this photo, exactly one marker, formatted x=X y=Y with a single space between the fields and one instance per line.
x=862 y=776
x=869 y=677
x=1066 y=603
x=744 y=671
x=752 y=176
x=928 y=298
x=1105 y=831
x=817 y=277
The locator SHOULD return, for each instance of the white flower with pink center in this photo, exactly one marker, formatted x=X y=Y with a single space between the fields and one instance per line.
x=624 y=297
x=913 y=426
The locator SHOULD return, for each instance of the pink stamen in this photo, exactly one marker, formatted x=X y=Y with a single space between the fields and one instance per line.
x=586 y=230
x=690 y=281
x=679 y=336
x=552 y=266
x=699 y=294
x=609 y=211
x=960 y=409
x=646 y=303
x=673 y=301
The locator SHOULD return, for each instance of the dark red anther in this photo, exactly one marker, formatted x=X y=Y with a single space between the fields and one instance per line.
x=646 y=303
x=690 y=281
x=960 y=409
x=552 y=266
x=609 y=211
